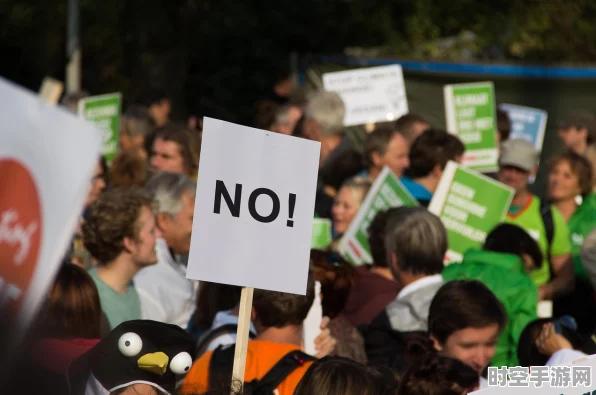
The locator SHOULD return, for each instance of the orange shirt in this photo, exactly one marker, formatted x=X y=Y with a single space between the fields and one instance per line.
x=261 y=356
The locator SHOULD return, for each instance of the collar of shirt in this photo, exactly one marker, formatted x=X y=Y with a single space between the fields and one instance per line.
x=164 y=253
x=418 y=284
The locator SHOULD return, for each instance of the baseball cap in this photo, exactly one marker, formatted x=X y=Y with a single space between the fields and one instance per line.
x=519 y=153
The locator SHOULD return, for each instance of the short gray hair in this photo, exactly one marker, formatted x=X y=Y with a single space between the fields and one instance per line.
x=418 y=239
x=329 y=110
x=168 y=189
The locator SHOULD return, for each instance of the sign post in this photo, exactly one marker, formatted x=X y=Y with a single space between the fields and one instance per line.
x=51 y=90
x=470 y=205
x=386 y=192
x=256 y=208
x=471 y=115
x=375 y=94
x=104 y=112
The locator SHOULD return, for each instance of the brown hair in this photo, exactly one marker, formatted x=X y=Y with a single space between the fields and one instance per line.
x=213 y=298
x=462 y=304
x=503 y=124
x=438 y=375
x=580 y=166
x=188 y=142
x=337 y=278
x=73 y=308
x=405 y=125
x=111 y=218
x=433 y=147
x=377 y=142
x=279 y=309
x=341 y=376
x=128 y=171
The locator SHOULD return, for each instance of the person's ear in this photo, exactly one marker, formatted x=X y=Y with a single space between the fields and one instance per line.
x=129 y=244
x=376 y=160
x=436 y=344
x=534 y=171
x=253 y=314
x=311 y=130
x=162 y=220
x=528 y=262
x=437 y=172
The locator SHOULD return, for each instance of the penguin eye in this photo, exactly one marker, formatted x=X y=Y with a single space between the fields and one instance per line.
x=130 y=344
x=181 y=363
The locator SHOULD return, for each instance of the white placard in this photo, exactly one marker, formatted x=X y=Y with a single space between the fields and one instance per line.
x=47 y=159
x=244 y=230
x=375 y=94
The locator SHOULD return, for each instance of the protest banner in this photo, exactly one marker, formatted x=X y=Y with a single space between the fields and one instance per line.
x=386 y=192
x=375 y=94
x=471 y=115
x=42 y=196
x=51 y=90
x=470 y=205
x=526 y=123
x=104 y=112
x=321 y=233
x=256 y=208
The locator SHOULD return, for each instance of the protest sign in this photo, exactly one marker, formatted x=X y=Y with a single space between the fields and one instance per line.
x=470 y=114
x=321 y=233
x=470 y=205
x=104 y=112
x=42 y=195
x=375 y=94
x=526 y=123
x=51 y=90
x=256 y=210
x=386 y=192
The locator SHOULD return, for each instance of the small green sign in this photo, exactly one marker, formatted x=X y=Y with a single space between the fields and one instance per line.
x=470 y=206
x=471 y=115
x=104 y=112
x=321 y=234
x=386 y=192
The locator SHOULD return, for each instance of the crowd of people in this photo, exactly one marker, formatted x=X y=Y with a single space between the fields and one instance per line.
x=122 y=318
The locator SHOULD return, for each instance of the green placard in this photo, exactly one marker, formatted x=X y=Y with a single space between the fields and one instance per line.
x=321 y=234
x=386 y=192
x=470 y=206
x=471 y=115
x=104 y=112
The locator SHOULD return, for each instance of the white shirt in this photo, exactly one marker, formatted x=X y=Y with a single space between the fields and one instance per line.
x=225 y=318
x=420 y=283
x=165 y=293
x=564 y=357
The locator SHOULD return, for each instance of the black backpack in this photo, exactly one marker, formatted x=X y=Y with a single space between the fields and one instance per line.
x=222 y=361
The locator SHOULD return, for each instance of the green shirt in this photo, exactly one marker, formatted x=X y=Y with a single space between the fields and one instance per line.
x=504 y=275
x=117 y=307
x=529 y=218
x=581 y=223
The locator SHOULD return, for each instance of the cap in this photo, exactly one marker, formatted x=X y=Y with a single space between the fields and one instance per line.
x=579 y=119
x=519 y=153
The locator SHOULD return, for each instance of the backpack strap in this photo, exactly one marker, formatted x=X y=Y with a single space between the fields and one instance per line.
x=212 y=334
x=221 y=364
x=546 y=213
x=280 y=371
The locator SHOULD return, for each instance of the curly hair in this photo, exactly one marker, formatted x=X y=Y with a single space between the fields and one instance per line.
x=438 y=375
x=111 y=218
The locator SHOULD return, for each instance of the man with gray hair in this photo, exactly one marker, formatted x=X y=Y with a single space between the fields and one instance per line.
x=166 y=294
x=416 y=243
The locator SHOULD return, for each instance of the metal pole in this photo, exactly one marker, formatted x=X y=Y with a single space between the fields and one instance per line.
x=73 y=49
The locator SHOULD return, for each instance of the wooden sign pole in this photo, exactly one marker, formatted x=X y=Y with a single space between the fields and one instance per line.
x=51 y=90
x=242 y=338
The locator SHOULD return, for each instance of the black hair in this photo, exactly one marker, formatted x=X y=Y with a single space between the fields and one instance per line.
x=433 y=147
x=462 y=304
x=503 y=124
x=511 y=239
x=376 y=237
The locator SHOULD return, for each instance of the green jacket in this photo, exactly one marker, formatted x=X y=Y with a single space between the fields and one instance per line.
x=581 y=223
x=504 y=275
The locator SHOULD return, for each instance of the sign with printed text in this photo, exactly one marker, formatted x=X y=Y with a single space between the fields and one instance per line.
x=470 y=205
x=526 y=123
x=375 y=94
x=42 y=196
x=471 y=115
x=255 y=207
x=104 y=112
x=386 y=192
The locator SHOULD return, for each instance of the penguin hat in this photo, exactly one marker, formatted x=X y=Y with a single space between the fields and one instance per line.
x=134 y=352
